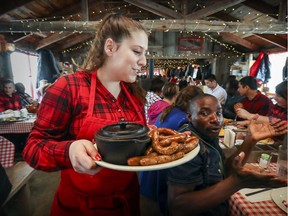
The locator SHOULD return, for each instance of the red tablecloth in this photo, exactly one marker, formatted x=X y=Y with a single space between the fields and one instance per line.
x=7 y=152
x=16 y=127
x=240 y=206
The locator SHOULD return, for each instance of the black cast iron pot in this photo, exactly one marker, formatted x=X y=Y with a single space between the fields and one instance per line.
x=118 y=142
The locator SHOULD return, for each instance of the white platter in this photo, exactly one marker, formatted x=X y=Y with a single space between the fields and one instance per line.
x=279 y=196
x=180 y=161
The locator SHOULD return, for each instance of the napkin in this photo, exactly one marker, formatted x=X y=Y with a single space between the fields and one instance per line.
x=262 y=196
x=229 y=137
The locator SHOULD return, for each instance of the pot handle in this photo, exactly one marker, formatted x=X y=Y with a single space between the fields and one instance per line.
x=122 y=125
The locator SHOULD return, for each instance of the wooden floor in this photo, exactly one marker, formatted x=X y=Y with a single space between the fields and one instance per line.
x=43 y=186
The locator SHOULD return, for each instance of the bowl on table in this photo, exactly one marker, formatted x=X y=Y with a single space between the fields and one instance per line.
x=118 y=142
x=32 y=108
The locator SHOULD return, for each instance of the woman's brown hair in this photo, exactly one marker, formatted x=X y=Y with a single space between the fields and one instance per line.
x=182 y=100
x=117 y=27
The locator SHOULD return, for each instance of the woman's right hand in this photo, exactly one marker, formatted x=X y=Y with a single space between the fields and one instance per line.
x=82 y=154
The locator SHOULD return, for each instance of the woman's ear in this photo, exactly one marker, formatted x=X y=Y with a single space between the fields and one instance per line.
x=109 y=46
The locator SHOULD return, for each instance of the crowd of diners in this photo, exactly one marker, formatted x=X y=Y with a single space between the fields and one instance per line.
x=105 y=90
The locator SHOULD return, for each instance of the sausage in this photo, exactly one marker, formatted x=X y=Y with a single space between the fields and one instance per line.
x=135 y=161
x=160 y=159
x=181 y=137
x=167 y=131
x=190 y=144
x=168 y=150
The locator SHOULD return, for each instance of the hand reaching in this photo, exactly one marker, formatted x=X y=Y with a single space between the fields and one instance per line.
x=251 y=178
x=259 y=131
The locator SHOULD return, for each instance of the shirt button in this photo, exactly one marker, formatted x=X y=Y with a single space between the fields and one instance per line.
x=113 y=101
x=119 y=110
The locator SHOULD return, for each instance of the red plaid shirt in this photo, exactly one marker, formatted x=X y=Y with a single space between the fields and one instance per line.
x=259 y=104
x=7 y=102
x=61 y=114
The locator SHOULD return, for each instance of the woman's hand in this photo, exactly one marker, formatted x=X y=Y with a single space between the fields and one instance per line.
x=82 y=155
x=248 y=178
x=259 y=131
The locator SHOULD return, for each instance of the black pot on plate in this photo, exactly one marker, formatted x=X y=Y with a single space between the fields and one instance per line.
x=118 y=142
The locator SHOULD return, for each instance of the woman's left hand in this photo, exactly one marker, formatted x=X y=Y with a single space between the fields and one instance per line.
x=82 y=155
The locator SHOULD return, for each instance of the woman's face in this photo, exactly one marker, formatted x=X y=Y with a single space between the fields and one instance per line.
x=282 y=102
x=128 y=58
x=9 y=88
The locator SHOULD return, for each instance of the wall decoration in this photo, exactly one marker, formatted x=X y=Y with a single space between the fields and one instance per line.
x=190 y=44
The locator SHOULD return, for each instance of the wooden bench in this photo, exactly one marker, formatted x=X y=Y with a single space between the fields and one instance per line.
x=19 y=174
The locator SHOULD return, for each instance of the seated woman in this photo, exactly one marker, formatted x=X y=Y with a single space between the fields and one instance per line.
x=169 y=91
x=9 y=101
x=153 y=183
x=279 y=110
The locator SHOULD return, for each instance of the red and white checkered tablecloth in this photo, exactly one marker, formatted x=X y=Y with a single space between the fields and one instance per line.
x=16 y=127
x=7 y=152
x=240 y=206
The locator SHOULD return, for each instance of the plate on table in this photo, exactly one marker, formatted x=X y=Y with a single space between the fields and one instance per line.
x=190 y=155
x=279 y=196
x=12 y=119
x=267 y=141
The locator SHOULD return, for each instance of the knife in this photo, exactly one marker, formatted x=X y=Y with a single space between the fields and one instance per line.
x=256 y=192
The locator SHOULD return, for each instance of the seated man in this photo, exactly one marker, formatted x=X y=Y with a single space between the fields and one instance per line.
x=232 y=98
x=203 y=185
x=254 y=101
x=25 y=98
x=215 y=89
x=9 y=101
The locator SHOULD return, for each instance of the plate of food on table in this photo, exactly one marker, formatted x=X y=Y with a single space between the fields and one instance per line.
x=168 y=148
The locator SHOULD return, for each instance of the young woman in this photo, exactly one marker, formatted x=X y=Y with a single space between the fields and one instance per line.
x=76 y=106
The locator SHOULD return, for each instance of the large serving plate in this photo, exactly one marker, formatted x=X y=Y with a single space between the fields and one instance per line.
x=279 y=196
x=190 y=155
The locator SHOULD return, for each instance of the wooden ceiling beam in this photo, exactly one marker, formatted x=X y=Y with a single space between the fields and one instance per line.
x=262 y=7
x=52 y=39
x=214 y=7
x=7 y=6
x=161 y=25
x=74 y=40
x=238 y=40
x=277 y=41
x=282 y=11
x=156 y=8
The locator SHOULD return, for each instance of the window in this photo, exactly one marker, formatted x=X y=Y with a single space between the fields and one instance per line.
x=24 y=68
x=277 y=61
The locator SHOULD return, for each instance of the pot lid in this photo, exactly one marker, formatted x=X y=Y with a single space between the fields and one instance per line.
x=123 y=130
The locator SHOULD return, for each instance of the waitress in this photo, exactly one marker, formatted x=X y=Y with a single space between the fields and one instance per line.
x=76 y=106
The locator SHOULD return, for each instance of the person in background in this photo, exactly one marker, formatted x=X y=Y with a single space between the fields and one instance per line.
x=9 y=101
x=215 y=89
x=153 y=95
x=76 y=106
x=169 y=91
x=25 y=98
x=233 y=97
x=153 y=183
x=43 y=84
x=182 y=83
x=203 y=185
x=279 y=110
x=254 y=101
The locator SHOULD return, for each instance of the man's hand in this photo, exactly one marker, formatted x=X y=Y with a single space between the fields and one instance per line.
x=259 y=131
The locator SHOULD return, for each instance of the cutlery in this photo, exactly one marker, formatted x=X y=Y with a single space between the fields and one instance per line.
x=256 y=192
